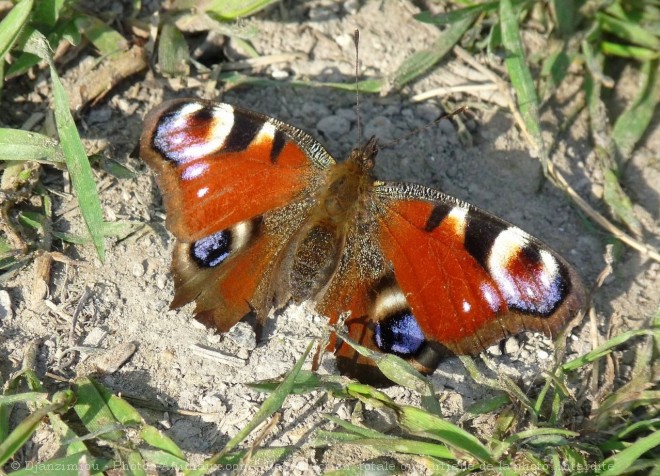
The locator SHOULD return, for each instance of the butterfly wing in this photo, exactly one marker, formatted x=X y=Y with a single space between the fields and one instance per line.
x=456 y=280
x=469 y=277
x=235 y=185
x=218 y=165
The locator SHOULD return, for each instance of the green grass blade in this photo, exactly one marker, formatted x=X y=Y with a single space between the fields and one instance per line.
x=306 y=381
x=538 y=433
x=234 y=9
x=173 y=55
x=405 y=446
x=23 y=397
x=628 y=51
x=163 y=458
x=272 y=404
x=619 y=202
x=123 y=412
x=12 y=25
x=104 y=38
x=567 y=15
x=633 y=123
x=453 y=16
x=77 y=162
x=489 y=405
x=66 y=435
x=47 y=13
x=422 y=61
x=158 y=439
x=401 y=372
x=521 y=77
x=92 y=409
x=134 y=464
x=607 y=347
x=71 y=465
x=17 y=438
x=623 y=460
x=16 y=144
x=628 y=30
x=418 y=421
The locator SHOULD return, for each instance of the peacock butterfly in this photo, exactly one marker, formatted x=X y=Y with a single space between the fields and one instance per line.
x=262 y=215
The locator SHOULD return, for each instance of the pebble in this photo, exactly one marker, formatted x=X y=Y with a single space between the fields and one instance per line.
x=138 y=269
x=511 y=346
x=379 y=126
x=6 y=311
x=334 y=127
x=116 y=357
x=95 y=337
x=242 y=334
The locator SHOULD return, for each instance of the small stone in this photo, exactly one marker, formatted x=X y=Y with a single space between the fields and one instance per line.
x=242 y=334
x=138 y=269
x=116 y=357
x=161 y=281
x=447 y=127
x=334 y=127
x=95 y=337
x=279 y=74
x=511 y=346
x=351 y=6
x=379 y=126
x=6 y=311
x=322 y=13
x=495 y=349
x=542 y=354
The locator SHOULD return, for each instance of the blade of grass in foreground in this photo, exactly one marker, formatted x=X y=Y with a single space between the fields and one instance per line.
x=619 y=462
x=12 y=25
x=521 y=78
x=16 y=144
x=82 y=178
x=606 y=348
x=422 y=61
x=631 y=125
x=27 y=427
x=272 y=404
x=234 y=9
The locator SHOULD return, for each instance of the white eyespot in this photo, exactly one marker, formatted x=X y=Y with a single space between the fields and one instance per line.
x=491 y=296
x=194 y=171
x=202 y=191
x=178 y=142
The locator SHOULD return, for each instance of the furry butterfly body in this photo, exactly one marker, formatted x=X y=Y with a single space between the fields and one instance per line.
x=262 y=215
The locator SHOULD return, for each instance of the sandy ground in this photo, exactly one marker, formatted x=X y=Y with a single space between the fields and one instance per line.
x=489 y=166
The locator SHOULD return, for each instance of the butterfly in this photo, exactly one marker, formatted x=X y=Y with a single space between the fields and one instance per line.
x=263 y=215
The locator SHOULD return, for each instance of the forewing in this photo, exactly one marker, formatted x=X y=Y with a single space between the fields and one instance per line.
x=218 y=165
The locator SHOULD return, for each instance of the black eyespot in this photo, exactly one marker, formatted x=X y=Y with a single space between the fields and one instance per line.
x=399 y=334
x=212 y=250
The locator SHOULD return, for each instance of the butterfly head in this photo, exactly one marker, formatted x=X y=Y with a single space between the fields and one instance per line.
x=364 y=157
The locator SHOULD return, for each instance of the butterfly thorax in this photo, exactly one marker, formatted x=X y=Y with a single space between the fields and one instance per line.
x=348 y=183
x=316 y=251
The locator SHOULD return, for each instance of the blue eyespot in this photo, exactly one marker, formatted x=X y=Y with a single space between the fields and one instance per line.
x=399 y=334
x=212 y=250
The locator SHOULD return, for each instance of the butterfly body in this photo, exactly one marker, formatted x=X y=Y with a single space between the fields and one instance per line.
x=263 y=215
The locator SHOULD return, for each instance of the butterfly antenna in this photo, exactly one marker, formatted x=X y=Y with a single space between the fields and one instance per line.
x=356 y=42
x=444 y=115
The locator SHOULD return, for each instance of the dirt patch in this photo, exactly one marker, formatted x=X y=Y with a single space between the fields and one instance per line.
x=128 y=296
